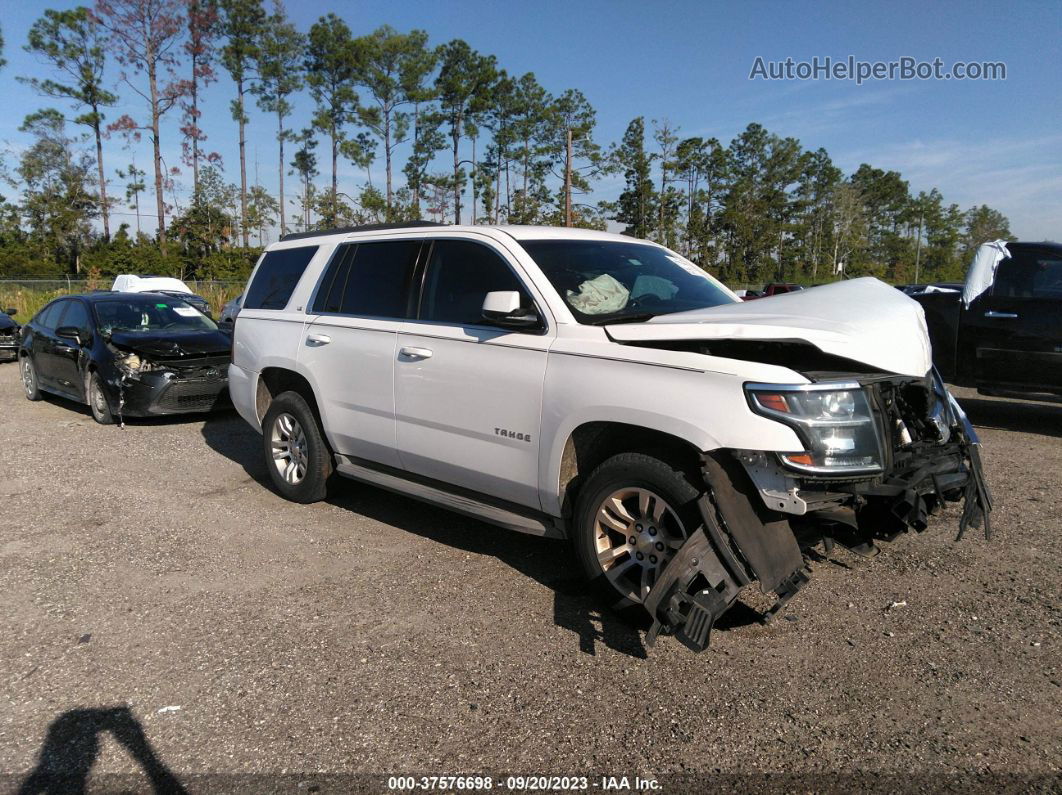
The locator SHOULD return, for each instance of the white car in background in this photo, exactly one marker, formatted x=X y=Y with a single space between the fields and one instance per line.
x=166 y=285
x=584 y=385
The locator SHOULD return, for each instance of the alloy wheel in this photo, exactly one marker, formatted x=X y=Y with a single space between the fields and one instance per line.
x=636 y=533
x=29 y=378
x=288 y=442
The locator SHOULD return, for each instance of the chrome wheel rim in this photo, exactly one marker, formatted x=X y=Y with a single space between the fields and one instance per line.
x=636 y=533
x=289 y=448
x=28 y=377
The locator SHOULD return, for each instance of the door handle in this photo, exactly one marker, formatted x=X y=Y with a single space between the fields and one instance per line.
x=415 y=353
x=64 y=349
x=318 y=339
x=1005 y=315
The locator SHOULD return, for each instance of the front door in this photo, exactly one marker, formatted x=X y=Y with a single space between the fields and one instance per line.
x=1014 y=331
x=68 y=354
x=468 y=396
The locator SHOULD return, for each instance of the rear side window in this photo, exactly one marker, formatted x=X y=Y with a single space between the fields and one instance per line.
x=460 y=274
x=369 y=279
x=1030 y=274
x=277 y=276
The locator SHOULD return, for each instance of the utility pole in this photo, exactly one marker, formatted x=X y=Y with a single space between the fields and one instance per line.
x=568 y=181
x=918 y=244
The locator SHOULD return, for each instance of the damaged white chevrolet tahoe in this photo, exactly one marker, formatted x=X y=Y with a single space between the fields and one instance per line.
x=589 y=386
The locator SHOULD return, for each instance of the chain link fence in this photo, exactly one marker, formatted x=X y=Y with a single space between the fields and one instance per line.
x=26 y=296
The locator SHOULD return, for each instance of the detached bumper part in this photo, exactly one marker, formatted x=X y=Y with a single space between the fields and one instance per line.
x=739 y=540
x=692 y=592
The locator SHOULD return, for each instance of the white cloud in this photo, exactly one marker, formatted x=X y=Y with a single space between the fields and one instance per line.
x=1021 y=177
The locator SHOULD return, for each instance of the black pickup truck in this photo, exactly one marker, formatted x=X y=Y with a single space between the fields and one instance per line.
x=1003 y=332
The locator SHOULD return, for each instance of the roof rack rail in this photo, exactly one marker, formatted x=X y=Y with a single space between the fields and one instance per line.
x=363 y=228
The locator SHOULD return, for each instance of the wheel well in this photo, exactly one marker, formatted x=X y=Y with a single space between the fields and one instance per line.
x=273 y=381
x=592 y=443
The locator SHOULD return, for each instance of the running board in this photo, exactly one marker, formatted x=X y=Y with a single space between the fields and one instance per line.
x=458 y=503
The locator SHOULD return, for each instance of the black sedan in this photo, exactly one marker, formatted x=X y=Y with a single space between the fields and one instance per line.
x=9 y=333
x=126 y=354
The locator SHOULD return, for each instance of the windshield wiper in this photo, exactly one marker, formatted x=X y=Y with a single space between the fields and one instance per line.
x=636 y=318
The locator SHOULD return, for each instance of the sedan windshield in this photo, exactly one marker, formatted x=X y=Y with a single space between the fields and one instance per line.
x=158 y=314
x=615 y=282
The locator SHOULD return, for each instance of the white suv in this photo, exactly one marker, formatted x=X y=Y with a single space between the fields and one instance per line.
x=586 y=385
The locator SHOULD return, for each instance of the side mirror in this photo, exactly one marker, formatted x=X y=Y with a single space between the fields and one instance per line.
x=502 y=308
x=11 y=311
x=70 y=333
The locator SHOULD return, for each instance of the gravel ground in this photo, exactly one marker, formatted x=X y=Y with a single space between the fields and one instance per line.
x=164 y=611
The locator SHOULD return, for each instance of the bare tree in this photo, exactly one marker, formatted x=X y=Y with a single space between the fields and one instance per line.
x=145 y=35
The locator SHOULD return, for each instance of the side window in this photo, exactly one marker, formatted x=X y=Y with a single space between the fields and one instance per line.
x=460 y=274
x=77 y=316
x=1029 y=274
x=371 y=279
x=49 y=316
x=277 y=276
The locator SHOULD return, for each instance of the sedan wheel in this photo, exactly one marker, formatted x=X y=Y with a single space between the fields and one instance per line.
x=29 y=379
x=289 y=448
x=636 y=533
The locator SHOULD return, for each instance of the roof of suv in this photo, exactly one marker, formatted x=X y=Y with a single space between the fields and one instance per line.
x=514 y=231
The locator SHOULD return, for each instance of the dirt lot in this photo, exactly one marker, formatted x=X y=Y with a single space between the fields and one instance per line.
x=151 y=569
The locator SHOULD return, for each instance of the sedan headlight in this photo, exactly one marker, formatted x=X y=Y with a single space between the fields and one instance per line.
x=833 y=421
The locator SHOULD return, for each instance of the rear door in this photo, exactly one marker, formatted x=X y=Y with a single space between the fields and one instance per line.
x=349 y=344
x=1014 y=332
x=468 y=395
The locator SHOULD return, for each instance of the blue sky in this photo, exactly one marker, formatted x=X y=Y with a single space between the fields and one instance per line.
x=997 y=143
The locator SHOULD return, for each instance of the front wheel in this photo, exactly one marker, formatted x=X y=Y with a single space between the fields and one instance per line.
x=297 y=456
x=29 y=378
x=631 y=517
x=97 y=399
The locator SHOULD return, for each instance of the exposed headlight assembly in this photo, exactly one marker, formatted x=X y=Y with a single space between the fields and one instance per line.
x=135 y=365
x=833 y=421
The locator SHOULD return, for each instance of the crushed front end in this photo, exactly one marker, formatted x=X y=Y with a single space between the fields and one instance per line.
x=145 y=386
x=9 y=342
x=882 y=453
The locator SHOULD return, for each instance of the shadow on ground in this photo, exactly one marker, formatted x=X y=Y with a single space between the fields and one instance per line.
x=1022 y=416
x=576 y=606
x=73 y=743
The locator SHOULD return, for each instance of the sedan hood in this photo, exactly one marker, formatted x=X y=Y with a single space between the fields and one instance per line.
x=864 y=320
x=173 y=344
x=6 y=321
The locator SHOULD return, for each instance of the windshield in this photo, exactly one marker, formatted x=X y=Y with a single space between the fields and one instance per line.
x=612 y=281
x=160 y=314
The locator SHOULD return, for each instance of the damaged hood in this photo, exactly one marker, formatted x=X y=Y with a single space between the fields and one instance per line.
x=864 y=320
x=173 y=344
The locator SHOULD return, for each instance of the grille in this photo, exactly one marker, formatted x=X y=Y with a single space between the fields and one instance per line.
x=194 y=395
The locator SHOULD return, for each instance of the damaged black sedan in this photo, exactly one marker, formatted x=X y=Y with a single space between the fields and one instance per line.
x=126 y=355
x=9 y=334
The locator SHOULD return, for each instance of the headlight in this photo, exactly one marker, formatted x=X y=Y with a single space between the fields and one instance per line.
x=833 y=421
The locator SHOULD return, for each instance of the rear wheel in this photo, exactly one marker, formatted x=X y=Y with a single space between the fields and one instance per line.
x=29 y=378
x=631 y=517
x=297 y=455
x=97 y=399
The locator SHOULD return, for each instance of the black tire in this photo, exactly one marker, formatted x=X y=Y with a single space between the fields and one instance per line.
x=636 y=472
x=316 y=457
x=30 y=384
x=96 y=396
